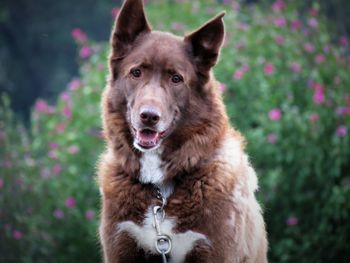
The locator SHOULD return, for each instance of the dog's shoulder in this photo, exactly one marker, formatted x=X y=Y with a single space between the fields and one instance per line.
x=231 y=150
x=234 y=165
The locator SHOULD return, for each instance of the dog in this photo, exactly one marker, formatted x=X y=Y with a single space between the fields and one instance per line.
x=175 y=182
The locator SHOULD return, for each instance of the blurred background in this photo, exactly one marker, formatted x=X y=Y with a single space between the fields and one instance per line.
x=285 y=78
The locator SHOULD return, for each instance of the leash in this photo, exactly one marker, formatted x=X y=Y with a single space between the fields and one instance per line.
x=162 y=243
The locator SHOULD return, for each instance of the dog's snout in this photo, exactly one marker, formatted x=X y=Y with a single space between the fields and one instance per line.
x=149 y=116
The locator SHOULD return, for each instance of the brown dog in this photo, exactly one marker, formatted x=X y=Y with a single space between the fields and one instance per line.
x=176 y=185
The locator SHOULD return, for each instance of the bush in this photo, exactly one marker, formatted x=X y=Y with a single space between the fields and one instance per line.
x=286 y=88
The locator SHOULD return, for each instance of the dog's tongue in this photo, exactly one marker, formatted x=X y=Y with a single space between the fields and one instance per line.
x=147 y=137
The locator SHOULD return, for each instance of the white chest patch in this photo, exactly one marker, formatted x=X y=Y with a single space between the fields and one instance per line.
x=145 y=236
x=151 y=171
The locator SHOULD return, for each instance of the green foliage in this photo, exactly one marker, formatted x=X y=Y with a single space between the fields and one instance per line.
x=49 y=197
x=286 y=88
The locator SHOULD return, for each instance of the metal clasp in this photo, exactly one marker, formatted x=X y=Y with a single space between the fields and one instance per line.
x=163 y=242
x=158 y=216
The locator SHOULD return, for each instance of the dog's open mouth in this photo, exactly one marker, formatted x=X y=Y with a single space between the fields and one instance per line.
x=148 y=138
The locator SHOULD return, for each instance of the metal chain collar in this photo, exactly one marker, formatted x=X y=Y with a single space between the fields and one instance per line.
x=162 y=242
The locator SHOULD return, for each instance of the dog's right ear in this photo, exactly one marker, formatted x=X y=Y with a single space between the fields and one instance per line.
x=130 y=23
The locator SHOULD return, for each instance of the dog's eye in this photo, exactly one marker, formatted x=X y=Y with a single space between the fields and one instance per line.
x=136 y=72
x=176 y=78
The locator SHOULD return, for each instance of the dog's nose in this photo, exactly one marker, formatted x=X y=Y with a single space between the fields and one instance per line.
x=149 y=117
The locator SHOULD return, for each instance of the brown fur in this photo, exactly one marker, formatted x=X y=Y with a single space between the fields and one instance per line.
x=202 y=200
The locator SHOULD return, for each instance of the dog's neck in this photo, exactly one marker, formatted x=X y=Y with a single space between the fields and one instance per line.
x=151 y=172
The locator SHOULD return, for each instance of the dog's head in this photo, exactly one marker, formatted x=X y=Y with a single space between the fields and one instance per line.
x=157 y=78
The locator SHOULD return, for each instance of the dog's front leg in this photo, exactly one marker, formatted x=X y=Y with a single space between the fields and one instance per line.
x=118 y=247
x=201 y=253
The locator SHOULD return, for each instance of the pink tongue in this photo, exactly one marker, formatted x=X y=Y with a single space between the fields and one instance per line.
x=147 y=135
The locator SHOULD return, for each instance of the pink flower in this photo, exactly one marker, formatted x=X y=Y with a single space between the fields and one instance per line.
x=1 y=182
x=312 y=22
x=236 y=6
x=59 y=128
x=85 y=52
x=318 y=96
x=67 y=111
x=275 y=114
x=296 y=24
x=115 y=12
x=56 y=169
x=278 y=5
x=308 y=47
x=344 y=42
x=53 y=155
x=296 y=67
x=17 y=235
x=326 y=48
x=221 y=87
x=341 y=111
x=313 y=12
x=245 y=68
x=7 y=163
x=65 y=96
x=89 y=214
x=269 y=69
x=279 y=40
x=50 y=109
x=100 y=67
x=41 y=106
x=239 y=73
x=53 y=146
x=310 y=83
x=45 y=172
x=341 y=131
x=58 y=213
x=79 y=36
x=320 y=58
x=74 y=84
x=70 y=202
x=242 y=26
x=280 y=21
x=271 y=138
x=314 y=117
x=306 y=32
x=292 y=221
x=73 y=149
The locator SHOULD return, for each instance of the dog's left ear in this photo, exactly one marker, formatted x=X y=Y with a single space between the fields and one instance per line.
x=205 y=43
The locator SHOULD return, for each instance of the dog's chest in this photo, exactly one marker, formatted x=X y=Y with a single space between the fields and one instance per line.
x=146 y=234
x=151 y=171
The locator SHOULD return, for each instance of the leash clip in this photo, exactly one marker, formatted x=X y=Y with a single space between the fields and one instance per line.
x=162 y=243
